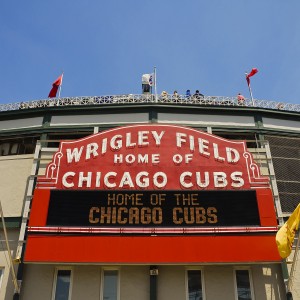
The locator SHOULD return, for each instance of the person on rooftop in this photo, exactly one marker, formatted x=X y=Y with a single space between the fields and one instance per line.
x=280 y=106
x=240 y=99
x=175 y=96
x=198 y=95
x=164 y=95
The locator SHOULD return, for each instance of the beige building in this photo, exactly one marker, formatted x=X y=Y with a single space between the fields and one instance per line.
x=29 y=139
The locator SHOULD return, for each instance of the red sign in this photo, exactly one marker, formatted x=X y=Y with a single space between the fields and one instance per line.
x=152 y=194
x=151 y=157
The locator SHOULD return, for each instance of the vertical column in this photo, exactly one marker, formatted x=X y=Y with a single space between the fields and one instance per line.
x=274 y=184
x=26 y=211
x=96 y=129
x=153 y=116
x=153 y=282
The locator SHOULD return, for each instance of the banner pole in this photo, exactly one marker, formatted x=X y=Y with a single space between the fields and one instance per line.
x=59 y=90
x=251 y=95
x=155 y=90
x=291 y=277
x=14 y=277
x=250 y=90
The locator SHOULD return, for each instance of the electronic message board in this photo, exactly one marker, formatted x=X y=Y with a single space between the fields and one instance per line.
x=153 y=208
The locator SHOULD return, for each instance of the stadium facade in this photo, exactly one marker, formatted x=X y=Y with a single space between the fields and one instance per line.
x=143 y=197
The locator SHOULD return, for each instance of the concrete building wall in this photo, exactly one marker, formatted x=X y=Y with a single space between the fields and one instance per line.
x=6 y=286
x=171 y=282
x=219 y=282
x=14 y=173
x=296 y=282
x=99 y=119
x=134 y=282
x=38 y=282
x=21 y=123
x=295 y=287
x=206 y=120
x=86 y=282
x=265 y=282
x=281 y=124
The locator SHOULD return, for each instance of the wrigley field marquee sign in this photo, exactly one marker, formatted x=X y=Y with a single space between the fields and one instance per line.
x=152 y=176
x=153 y=157
x=149 y=194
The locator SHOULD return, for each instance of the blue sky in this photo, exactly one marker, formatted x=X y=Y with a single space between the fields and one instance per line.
x=105 y=46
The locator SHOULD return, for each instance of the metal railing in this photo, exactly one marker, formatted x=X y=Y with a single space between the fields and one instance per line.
x=131 y=98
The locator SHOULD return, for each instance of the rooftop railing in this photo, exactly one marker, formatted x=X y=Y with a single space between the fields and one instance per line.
x=136 y=99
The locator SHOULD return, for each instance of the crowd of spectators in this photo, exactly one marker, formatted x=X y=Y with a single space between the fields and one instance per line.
x=197 y=95
x=239 y=100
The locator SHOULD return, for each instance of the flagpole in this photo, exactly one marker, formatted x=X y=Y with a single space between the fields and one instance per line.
x=155 y=90
x=14 y=277
x=291 y=277
x=249 y=86
x=59 y=90
x=251 y=95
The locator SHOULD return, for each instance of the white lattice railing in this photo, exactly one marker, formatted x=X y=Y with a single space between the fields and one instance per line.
x=126 y=99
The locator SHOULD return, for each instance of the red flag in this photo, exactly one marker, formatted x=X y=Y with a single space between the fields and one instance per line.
x=253 y=72
x=56 y=84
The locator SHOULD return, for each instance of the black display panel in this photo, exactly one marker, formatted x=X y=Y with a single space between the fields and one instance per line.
x=153 y=208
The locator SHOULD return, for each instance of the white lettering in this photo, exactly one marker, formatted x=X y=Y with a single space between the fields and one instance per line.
x=203 y=146
x=238 y=181
x=86 y=179
x=220 y=179
x=233 y=155
x=216 y=153
x=161 y=175
x=91 y=149
x=65 y=179
x=98 y=177
x=155 y=158
x=75 y=154
x=140 y=159
x=199 y=181
x=188 y=158
x=126 y=180
x=192 y=143
x=177 y=159
x=108 y=176
x=142 y=179
x=130 y=159
x=104 y=146
x=128 y=141
x=118 y=158
x=157 y=137
x=183 y=177
x=143 y=159
x=142 y=138
x=116 y=142
x=180 y=139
